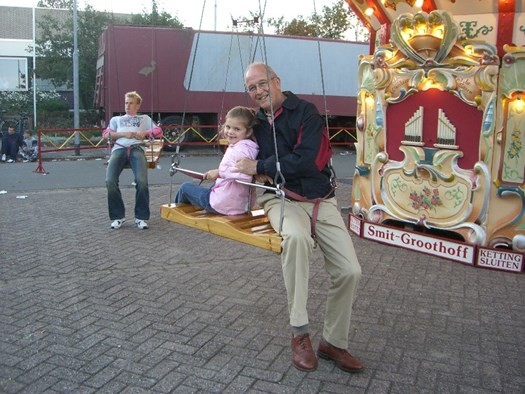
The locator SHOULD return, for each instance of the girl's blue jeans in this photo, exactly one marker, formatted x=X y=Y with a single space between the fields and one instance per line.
x=193 y=194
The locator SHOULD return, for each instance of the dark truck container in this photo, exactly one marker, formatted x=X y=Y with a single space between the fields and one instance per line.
x=189 y=79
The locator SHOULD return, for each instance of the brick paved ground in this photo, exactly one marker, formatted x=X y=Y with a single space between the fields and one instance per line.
x=88 y=310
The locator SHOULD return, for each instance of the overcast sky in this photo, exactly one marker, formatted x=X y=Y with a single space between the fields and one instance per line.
x=189 y=11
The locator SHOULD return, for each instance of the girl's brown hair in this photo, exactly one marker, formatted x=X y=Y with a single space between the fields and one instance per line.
x=248 y=116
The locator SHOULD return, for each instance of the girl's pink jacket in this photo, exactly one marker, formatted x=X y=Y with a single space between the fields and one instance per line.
x=227 y=196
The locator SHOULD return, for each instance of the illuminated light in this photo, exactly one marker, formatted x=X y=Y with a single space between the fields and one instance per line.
x=369 y=11
x=439 y=32
x=431 y=84
x=421 y=28
x=519 y=104
x=419 y=3
x=407 y=34
x=428 y=84
x=369 y=100
x=469 y=50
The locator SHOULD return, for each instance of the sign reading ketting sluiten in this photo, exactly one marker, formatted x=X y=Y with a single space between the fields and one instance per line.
x=505 y=260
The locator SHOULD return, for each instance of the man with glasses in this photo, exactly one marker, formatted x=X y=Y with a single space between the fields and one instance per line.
x=310 y=215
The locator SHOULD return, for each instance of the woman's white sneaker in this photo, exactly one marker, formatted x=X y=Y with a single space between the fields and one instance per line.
x=117 y=223
x=141 y=224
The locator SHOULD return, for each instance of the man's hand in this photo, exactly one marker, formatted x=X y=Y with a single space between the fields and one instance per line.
x=140 y=135
x=263 y=179
x=246 y=166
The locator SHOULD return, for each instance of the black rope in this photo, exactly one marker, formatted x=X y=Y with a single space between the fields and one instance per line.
x=279 y=179
x=153 y=88
x=327 y=125
x=192 y=67
x=175 y=157
x=219 y=121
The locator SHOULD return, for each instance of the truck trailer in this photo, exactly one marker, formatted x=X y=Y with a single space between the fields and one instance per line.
x=189 y=79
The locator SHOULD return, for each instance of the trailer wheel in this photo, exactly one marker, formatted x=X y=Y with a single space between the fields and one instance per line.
x=173 y=134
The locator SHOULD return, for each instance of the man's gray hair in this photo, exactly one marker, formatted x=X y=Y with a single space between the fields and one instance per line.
x=269 y=70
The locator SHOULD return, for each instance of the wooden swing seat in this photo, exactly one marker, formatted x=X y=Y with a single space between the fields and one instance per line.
x=251 y=229
x=152 y=150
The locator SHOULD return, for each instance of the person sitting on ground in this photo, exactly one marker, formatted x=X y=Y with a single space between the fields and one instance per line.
x=128 y=133
x=29 y=148
x=10 y=144
x=225 y=196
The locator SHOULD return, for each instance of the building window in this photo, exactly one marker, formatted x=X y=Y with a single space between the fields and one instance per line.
x=14 y=74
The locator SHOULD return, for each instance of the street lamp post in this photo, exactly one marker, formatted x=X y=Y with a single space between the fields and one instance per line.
x=76 y=122
x=34 y=70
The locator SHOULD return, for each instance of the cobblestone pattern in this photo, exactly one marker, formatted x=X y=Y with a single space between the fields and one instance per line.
x=86 y=309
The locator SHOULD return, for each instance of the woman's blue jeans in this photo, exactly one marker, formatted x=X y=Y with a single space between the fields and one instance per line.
x=139 y=166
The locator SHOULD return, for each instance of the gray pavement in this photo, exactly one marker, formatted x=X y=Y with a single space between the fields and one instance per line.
x=86 y=309
x=87 y=170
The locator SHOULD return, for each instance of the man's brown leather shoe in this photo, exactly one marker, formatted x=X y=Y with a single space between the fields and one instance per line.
x=303 y=356
x=342 y=358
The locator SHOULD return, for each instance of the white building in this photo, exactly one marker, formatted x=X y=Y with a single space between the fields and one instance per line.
x=16 y=45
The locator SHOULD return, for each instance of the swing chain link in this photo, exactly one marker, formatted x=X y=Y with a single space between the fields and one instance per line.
x=333 y=176
x=282 y=196
x=175 y=163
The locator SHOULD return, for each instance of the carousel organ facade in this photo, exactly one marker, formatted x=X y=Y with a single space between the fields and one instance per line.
x=440 y=162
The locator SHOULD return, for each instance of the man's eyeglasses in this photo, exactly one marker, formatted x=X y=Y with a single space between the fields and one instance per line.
x=263 y=85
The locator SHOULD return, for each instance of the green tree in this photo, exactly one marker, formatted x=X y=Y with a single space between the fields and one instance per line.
x=54 y=44
x=155 y=18
x=300 y=27
x=334 y=22
x=54 y=49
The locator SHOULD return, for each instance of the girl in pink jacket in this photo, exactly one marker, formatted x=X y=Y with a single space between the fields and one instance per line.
x=226 y=196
